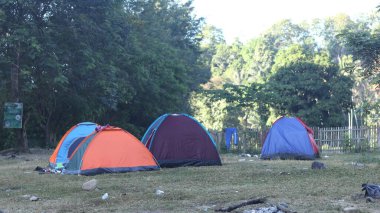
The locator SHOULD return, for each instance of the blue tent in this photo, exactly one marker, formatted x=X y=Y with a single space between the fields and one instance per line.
x=289 y=138
x=69 y=141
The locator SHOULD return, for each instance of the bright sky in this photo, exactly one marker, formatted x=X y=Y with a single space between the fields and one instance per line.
x=246 y=19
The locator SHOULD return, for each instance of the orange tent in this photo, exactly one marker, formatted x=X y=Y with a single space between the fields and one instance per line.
x=109 y=150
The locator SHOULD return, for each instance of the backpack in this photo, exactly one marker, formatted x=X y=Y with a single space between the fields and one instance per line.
x=371 y=190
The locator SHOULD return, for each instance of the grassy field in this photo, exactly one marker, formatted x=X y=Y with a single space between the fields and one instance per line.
x=193 y=189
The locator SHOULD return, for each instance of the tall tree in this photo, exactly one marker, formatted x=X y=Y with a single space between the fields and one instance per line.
x=117 y=61
x=318 y=94
x=23 y=38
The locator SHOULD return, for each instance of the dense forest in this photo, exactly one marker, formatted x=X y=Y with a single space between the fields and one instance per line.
x=126 y=62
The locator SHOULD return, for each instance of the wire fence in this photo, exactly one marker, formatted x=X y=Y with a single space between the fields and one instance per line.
x=328 y=139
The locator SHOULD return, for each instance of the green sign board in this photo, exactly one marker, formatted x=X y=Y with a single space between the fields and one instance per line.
x=13 y=115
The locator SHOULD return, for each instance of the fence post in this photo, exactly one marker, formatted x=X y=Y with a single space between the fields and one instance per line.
x=378 y=136
x=219 y=141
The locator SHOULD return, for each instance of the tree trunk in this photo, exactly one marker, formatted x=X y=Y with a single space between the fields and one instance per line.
x=25 y=142
x=15 y=96
x=47 y=134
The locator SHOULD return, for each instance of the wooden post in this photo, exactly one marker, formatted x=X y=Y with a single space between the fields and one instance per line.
x=378 y=136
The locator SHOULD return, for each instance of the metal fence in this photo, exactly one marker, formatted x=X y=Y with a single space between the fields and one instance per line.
x=329 y=139
x=250 y=141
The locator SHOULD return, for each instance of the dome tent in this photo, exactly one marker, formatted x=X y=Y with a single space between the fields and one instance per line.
x=179 y=140
x=108 y=150
x=74 y=135
x=290 y=138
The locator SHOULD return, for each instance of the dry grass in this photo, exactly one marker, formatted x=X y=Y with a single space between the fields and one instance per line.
x=193 y=189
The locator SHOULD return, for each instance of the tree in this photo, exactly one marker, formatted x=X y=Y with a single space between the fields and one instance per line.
x=318 y=94
x=362 y=43
x=364 y=46
x=23 y=38
x=285 y=33
x=120 y=62
x=163 y=66
x=211 y=38
x=258 y=55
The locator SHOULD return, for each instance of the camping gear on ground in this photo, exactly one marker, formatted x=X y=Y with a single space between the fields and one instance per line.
x=180 y=140
x=73 y=136
x=290 y=138
x=108 y=150
x=371 y=190
x=229 y=133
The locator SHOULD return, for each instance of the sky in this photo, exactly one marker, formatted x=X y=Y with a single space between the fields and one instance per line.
x=246 y=19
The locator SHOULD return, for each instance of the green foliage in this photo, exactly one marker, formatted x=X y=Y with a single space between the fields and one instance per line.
x=363 y=42
x=210 y=112
x=258 y=56
x=317 y=94
x=355 y=146
x=127 y=62
x=231 y=106
x=365 y=46
x=287 y=70
x=119 y=62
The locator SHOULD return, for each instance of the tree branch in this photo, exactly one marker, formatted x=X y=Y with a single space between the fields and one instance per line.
x=249 y=202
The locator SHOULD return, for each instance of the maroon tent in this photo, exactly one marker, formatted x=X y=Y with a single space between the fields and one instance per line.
x=180 y=140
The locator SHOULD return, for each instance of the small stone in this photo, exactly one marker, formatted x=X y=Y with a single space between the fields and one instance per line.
x=351 y=210
x=369 y=200
x=34 y=198
x=272 y=209
x=105 y=196
x=206 y=208
x=358 y=165
x=90 y=185
x=283 y=207
x=159 y=192
x=318 y=165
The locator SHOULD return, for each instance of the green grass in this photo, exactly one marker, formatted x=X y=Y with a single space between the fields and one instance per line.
x=193 y=189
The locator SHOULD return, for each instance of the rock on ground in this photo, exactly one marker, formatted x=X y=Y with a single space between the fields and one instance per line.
x=34 y=198
x=90 y=185
x=318 y=165
x=351 y=210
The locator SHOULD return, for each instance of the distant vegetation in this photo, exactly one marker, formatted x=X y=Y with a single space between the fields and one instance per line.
x=325 y=72
x=126 y=62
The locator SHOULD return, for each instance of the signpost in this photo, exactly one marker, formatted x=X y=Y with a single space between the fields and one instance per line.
x=13 y=115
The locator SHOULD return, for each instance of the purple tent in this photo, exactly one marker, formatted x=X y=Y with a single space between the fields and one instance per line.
x=179 y=140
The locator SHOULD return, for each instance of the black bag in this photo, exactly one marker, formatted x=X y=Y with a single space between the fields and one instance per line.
x=371 y=190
